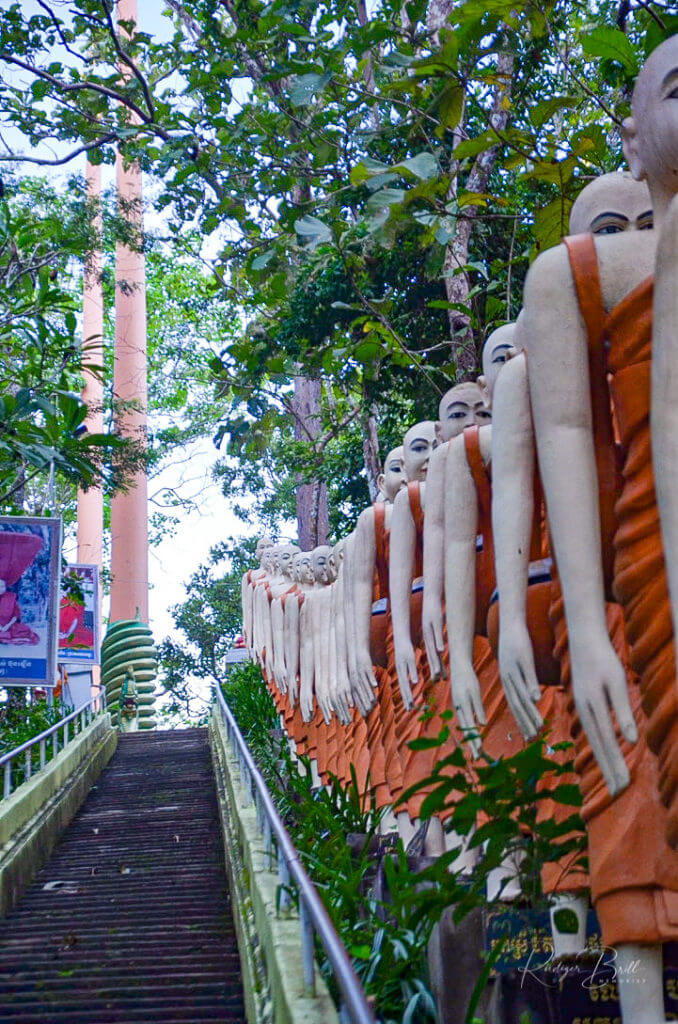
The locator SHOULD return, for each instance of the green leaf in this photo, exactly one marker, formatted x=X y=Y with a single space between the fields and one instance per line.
x=611 y=44
x=305 y=87
x=312 y=229
x=424 y=166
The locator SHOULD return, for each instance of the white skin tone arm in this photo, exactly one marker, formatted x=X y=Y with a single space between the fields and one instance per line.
x=434 y=574
x=341 y=694
x=306 y=660
x=556 y=345
x=664 y=397
x=321 y=647
x=349 y=611
x=400 y=576
x=364 y=548
x=278 y=633
x=257 y=622
x=291 y=630
x=246 y=595
x=461 y=528
x=512 y=514
x=267 y=631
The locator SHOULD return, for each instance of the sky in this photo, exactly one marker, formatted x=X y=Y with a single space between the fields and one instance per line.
x=211 y=519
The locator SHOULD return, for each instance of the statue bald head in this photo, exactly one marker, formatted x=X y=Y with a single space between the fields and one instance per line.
x=611 y=203
x=496 y=351
x=262 y=544
x=322 y=568
x=418 y=443
x=462 y=406
x=285 y=558
x=651 y=133
x=393 y=478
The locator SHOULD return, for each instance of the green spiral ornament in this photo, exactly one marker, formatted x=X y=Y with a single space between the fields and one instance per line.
x=129 y=665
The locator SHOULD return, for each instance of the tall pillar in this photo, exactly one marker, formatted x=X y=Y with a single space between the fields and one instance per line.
x=91 y=502
x=129 y=513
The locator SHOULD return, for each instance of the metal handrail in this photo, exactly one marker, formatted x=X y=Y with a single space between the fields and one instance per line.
x=313 y=916
x=86 y=713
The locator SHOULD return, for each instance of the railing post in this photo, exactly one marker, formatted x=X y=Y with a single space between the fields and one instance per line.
x=55 y=743
x=7 y=781
x=65 y=733
x=28 y=763
x=307 y=950
x=43 y=754
x=284 y=882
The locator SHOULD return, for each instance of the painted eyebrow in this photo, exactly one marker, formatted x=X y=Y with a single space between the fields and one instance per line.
x=504 y=347
x=609 y=213
x=458 y=405
x=647 y=213
x=418 y=440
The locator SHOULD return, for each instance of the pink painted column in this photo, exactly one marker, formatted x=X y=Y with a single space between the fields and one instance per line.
x=129 y=512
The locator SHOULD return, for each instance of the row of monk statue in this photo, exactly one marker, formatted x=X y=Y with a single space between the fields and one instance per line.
x=521 y=564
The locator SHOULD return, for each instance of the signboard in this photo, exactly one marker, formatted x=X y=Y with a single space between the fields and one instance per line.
x=79 y=615
x=30 y=558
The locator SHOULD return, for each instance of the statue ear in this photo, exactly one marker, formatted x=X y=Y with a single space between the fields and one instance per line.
x=438 y=429
x=381 y=480
x=630 y=146
x=481 y=381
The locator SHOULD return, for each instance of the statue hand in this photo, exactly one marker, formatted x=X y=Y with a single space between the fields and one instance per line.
x=325 y=705
x=598 y=684
x=306 y=703
x=406 y=669
x=342 y=699
x=519 y=678
x=468 y=703
x=365 y=685
x=294 y=689
x=432 y=627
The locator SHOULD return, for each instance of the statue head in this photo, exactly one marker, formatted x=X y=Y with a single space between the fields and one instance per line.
x=651 y=134
x=303 y=567
x=393 y=477
x=497 y=349
x=285 y=559
x=418 y=443
x=268 y=559
x=337 y=557
x=460 y=407
x=262 y=544
x=322 y=567
x=610 y=204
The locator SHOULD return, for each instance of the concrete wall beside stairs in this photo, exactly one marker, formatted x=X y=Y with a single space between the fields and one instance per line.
x=33 y=818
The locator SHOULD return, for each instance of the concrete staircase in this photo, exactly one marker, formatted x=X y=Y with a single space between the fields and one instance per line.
x=130 y=921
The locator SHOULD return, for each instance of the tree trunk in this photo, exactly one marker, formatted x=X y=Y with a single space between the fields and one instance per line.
x=312 y=513
x=371 y=451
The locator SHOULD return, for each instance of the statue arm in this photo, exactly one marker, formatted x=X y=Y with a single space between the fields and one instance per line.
x=246 y=599
x=400 y=576
x=434 y=573
x=349 y=609
x=278 y=633
x=512 y=515
x=291 y=627
x=461 y=528
x=341 y=696
x=321 y=649
x=306 y=666
x=558 y=374
x=364 y=559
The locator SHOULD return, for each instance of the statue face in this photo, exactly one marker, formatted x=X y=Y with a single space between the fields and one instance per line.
x=267 y=560
x=495 y=353
x=610 y=204
x=262 y=544
x=393 y=477
x=286 y=559
x=651 y=134
x=321 y=564
x=303 y=567
x=418 y=443
x=462 y=406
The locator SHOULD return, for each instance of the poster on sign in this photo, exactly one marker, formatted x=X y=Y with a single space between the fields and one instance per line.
x=79 y=615
x=30 y=560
